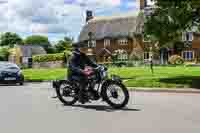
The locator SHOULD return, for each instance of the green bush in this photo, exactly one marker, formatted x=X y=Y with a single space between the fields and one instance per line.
x=4 y=53
x=49 y=57
x=176 y=60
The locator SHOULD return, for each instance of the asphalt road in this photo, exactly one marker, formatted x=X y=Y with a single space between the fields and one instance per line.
x=31 y=109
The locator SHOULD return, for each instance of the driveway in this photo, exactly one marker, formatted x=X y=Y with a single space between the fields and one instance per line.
x=32 y=109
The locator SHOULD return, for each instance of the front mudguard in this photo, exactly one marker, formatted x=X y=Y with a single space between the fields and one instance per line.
x=58 y=83
x=110 y=81
x=116 y=78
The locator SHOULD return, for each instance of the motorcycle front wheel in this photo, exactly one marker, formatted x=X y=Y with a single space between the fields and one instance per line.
x=116 y=94
x=67 y=93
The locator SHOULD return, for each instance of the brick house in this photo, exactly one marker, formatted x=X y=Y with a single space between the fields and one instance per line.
x=113 y=35
x=122 y=36
x=192 y=52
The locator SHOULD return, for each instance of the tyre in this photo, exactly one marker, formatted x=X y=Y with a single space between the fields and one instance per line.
x=65 y=91
x=111 y=94
x=21 y=83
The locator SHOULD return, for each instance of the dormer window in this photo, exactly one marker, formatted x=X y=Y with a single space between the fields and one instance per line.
x=106 y=42
x=188 y=36
x=123 y=41
x=92 y=44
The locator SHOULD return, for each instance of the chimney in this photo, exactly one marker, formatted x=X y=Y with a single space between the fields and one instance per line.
x=89 y=15
x=143 y=4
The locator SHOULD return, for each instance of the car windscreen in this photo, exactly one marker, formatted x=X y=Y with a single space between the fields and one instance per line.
x=9 y=66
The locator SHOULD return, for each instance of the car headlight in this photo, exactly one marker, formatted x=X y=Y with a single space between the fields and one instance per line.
x=19 y=72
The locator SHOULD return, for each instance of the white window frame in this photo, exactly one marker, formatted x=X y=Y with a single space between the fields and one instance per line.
x=184 y=55
x=145 y=55
x=93 y=43
x=123 y=41
x=25 y=60
x=123 y=56
x=106 y=43
x=184 y=36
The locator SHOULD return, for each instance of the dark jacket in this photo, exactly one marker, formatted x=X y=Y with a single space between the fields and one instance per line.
x=76 y=64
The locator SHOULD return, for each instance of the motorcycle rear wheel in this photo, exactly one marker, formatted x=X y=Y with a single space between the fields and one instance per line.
x=68 y=91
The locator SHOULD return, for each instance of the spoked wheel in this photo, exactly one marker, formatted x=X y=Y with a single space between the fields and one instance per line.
x=116 y=95
x=66 y=93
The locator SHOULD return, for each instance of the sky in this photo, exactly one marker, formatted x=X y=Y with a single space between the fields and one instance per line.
x=56 y=18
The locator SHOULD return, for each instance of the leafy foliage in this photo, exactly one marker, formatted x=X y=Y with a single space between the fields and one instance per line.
x=4 y=53
x=50 y=49
x=10 y=39
x=37 y=40
x=49 y=57
x=40 y=40
x=63 y=45
x=170 y=19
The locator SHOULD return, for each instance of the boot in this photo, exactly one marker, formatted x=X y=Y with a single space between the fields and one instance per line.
x=83 y=97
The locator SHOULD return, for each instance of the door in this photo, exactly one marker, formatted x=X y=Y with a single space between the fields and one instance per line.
x=30 y=62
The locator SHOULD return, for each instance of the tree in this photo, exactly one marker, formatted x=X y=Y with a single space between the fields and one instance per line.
x=41 y=41
x=4 y=53
x=10 y=39
x=37 y=40
x=170 y=19
x=63 y=45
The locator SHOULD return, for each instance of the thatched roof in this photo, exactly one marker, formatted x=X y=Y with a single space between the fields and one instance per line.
x=30 y=50
x=114 y=26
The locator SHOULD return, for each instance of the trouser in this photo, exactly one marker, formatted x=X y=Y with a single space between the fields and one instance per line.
x=82 y=81
x=83 y=84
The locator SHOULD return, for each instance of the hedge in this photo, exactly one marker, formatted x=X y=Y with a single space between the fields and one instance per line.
x=4 y=53
x=49 y=57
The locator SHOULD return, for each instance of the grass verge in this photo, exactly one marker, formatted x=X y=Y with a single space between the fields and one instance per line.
x=163 y=77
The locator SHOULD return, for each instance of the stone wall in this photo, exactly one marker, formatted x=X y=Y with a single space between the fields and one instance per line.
x=53 y=64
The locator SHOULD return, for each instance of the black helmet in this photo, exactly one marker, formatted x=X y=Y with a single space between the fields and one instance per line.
x=76 y=51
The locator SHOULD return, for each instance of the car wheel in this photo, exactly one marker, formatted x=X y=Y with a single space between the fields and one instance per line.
x=21 y=83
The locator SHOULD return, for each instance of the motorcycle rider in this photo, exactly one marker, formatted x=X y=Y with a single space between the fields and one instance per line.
x=77 y=63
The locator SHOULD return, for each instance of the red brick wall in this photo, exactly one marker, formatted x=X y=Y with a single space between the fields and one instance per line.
x=114 y=45
x=196 y=41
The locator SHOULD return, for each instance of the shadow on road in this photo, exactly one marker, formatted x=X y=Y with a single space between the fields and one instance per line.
x=9 y=85
x=103 y=108
x=14 y=84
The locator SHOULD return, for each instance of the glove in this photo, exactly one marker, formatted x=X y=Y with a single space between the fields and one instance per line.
x=87 y=71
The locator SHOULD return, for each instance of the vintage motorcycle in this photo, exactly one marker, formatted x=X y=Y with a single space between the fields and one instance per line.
x=110 y=90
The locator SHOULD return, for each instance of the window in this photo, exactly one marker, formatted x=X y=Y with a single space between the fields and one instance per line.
x=123 y=57
x=146 y=38
x=123 y=41
x=93 y=43
x=106 y=43
x=146 y=56
x=188 y=36
x=188 y=55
